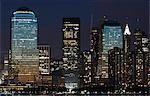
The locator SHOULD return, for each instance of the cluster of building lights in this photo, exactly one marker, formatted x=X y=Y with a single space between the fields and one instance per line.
x=109 y=62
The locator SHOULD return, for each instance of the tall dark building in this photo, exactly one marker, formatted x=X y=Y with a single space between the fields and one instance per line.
x=127 y=68
x=24 y=52
x=115 y=62
x=141 y=58
x=94 y=36
x=146 y=61
x=71 y=49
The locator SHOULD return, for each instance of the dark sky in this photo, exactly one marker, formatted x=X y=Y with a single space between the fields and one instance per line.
x=51 y=12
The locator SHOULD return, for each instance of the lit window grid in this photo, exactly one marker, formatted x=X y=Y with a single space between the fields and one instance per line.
x=71 y=51
x=24 y=52
x=24 y=34
x=44 y=59
x=87 y=68
x=112 y=37
x=115 y=64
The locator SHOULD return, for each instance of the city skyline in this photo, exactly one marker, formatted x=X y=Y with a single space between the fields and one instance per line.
x=50 y=29
x=74 y=49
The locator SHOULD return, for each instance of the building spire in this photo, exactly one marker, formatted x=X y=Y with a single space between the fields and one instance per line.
x=127 y=30
x=137 y=24
x=91 y=22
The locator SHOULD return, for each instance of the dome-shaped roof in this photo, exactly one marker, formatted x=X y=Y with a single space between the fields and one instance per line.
x=23 y=10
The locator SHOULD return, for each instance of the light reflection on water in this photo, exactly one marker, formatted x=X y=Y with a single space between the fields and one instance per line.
x=135 y=94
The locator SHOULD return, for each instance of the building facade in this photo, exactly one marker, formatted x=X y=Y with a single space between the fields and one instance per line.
x=94 y=38
x=112 y=36
x=24 y=52
x=57 y=73
x=139 y=58
x=146 y=61
x=87 y=78
x=115 y=62
x=71 y=49
x=127 y=71
x=44 y=59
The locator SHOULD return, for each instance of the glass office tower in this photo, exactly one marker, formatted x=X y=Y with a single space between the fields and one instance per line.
x=112 y=36
x=24 y=53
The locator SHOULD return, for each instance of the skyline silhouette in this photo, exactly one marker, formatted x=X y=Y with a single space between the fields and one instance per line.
x=50 y=14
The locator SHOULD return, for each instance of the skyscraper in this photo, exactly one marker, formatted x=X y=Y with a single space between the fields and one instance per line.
x=127 y=70
x=71 y=49
x=141 y=49
x=115 y=61
x=94 y=38
x=146 y=61
x=139 y=58
x=24 y=53
x=112 y=36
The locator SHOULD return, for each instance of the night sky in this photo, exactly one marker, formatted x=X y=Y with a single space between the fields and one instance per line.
x=51 y=12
